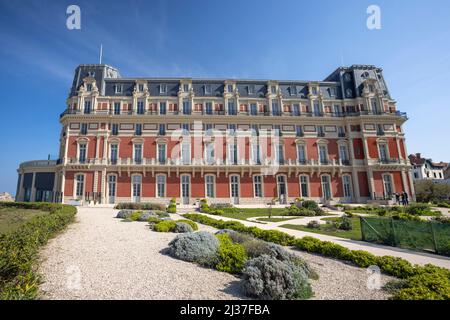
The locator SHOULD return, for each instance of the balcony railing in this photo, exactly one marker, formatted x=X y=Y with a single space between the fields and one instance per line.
x=209 y=162
x=246 y=113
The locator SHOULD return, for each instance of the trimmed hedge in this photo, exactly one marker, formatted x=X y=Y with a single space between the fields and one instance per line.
x=19 y=249
x=170 y=225
x=419 y=282
x=231 y=256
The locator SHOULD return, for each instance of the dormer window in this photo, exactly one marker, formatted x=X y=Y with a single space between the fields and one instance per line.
x=332 y=92
x=251 y=89
x=230 y=88
x=185 y=87
x=273 y=89
x=118 y=88
x=141 y=88
x=208 y=89
x=162 y=88
x=293 y=90
x=314 y=90
x=89 y=87
x=349 y=93
x=91 y=74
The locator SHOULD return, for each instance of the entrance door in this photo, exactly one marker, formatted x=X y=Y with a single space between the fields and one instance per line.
x=112 y=189
x=234 y=181
x=326 y=188
x=185 y=188
x=137 y=179
x=281 y=187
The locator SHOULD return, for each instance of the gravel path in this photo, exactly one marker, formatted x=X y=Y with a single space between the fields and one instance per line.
x=100 y=257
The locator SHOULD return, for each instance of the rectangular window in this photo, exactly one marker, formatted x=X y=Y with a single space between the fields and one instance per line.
x=296 y=109
x=341 y=132
x=89 y=87
x=118 y=88
x=114 y=153
x=233 y=153
x=343 y=154
x=293 y=90
x=255 y=130
x=208 y=129
x=323 y=155
x=387 y=182
x=383 y=152
x=140 y=107
x=116 y=107
x=275 y=109
x=186 y=87
x=256 y=153
x=209 y=153
x=257 y=186
x=253 y=109
x=138 y=129
x=115 y=129
x=141 y=88
x=208 y=108
x=210 y=192
x=273 y=89
x=162 y=108
x=83 y=128
x=185 y=153
x=87 y=106
x=346 y=182
x=301 y=154
x=136 y=181
x=280 y=154
x=230 y=88
x=82 y=153
x=185 y=128
x=231 y=129
x=320 y=132
x=299 y=131
x=138 y=153
x=337 y=110
x=208 y=89
x=231 y=108
x=317 y=112
x=161 y=186
x=162 y=88
x=304 y=186
x=162 y=130
x=186 y=107
x=161 y=153
x=277 y=130
x=250 y=89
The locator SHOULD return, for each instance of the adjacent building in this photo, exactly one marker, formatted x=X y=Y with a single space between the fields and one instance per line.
x=426 y=169
x=229 y=140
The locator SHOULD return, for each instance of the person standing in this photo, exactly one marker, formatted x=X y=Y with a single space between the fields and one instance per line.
x=405 y=196
x=397 y=198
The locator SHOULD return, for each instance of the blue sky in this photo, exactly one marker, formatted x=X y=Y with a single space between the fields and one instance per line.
x=280 y=39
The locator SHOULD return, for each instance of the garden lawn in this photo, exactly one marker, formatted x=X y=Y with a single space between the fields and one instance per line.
x=244 y=214
x=329 y=230
x=12 y=218
x=276 y=219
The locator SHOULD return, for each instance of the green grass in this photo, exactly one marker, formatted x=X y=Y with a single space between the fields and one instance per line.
x=329 y=230
x=12 y=218
x=276 y=219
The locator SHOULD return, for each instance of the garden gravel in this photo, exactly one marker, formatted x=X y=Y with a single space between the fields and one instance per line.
x=100 y=257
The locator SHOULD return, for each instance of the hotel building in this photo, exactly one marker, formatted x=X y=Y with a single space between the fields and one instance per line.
x=235 y=141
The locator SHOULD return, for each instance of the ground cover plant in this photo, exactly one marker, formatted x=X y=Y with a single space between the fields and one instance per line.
x=19 y=248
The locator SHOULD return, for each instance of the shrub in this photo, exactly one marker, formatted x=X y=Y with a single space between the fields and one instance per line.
x=294 y=210
x=217 y=212
x=164 y=226
x=308 y=244
x=205 y=208
x=124 y=214
x=135 y=215
x=424 y=286
x=191 y=223
x=153 y=220
x=265 y=277
x=162 y=214
x=442 y=219
x=345 y=224
x=231 y=256
x=397 y=267
x=313 y=224
x=19 y=249
x=145 y=216
x=172 y=208
x=200 y=247
x=419 y=209
x=362 y=258
x=406 y=216
x=140 y=206
x=181 y=227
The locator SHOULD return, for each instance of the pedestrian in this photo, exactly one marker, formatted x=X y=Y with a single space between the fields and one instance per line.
x=405 y=195
x=397 y=198
x=403 y=198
